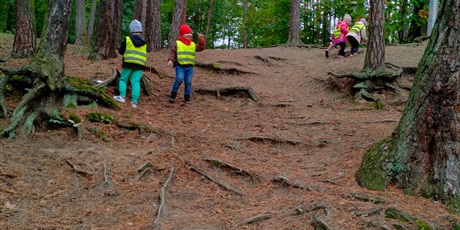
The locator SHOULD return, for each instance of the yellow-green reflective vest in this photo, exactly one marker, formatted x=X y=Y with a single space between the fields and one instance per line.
x=136 y=55
x=338 y=30
x=356 y=28
x=185 y=53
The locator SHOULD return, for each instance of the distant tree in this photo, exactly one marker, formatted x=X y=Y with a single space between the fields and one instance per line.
x=419 y=19
x=24 y=38
x=179 y=9
x=294 y=25
x=80 y=23
x=140 y=10
x=44 y=78
x=92 y=20
x=245 y=31
x=375 y=53
x=422 y=154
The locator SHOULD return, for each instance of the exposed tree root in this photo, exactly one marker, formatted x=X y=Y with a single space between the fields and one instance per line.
x=146 y=82
x=366 y=198
x=234 y=169
x=257 y=218
x=216 y=68
x=302 y=209
x=285 y=181
x=384 y=75
x=143 y=129
x=319 y=223
x=162 y=198
x=77 y=170
x=244 y=91
x=38 y=105
x=274 y=141
x=371 y=212
x=222 y=184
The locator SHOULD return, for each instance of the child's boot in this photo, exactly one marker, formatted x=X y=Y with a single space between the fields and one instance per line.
x=172 y=97
x=187 y=98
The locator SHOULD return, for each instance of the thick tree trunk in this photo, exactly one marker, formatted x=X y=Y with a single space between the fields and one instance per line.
x=24 y=38
x=294 y=25
x=80 y=23
x=423 y=154
x=104 y=45
x=375 y=53
x=176 y=22
x=153 y=26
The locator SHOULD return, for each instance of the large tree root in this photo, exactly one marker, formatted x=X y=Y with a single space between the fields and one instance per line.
x=384 y=75
x=39 y=103
x=216 y=68
x=222 y=184
x=146 y=82
x=245 y=91
x=275 y=141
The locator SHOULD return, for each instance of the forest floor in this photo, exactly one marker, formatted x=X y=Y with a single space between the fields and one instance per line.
x=287 y=161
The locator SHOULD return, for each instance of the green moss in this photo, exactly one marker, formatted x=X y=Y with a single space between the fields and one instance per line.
x=453 y=204
x=75 y=118
x=83 y=84
x=422 y=225
x=100 y=117
x=379 y=166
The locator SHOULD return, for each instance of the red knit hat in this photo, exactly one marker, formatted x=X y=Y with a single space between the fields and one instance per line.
x=184 y=29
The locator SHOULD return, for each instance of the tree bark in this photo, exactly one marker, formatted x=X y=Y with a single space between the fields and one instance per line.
x=24 y=38
x=245 y=31
x=92 y=19
x=375 y=53
x=105 y=41
x=294 y=25
x=422 y=155
x=176 y=22
x=153 y=25
x=80 y=23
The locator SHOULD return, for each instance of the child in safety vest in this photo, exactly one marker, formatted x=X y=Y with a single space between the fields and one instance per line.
x=134 y=51
x=355 y=34
x=338 y=36
x=182 y=58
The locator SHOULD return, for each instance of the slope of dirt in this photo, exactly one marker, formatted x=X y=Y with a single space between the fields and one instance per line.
x=302 y=130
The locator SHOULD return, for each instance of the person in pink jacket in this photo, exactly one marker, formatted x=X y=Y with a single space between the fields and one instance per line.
x=338 y=36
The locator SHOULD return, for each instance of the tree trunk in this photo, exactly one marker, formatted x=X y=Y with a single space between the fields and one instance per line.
x=153 y=26
x=245 y=31
x=117 y=27
x=104 y=47
x=422 y=155
x=294 y=25
x=92 y=19
x=24 y=38
x=325 y=34
x=140 y=11
x=80 y=23
x=375 y=53
x=176 y=22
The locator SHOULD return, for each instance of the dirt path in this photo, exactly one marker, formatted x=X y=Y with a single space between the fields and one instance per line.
x=300 y=130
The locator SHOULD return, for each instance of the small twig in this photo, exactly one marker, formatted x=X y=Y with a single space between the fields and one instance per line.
x=75 y=169
x=257 y=218
x=381 y=121
x=162 y=196
x=141 y=174
x=54 y=194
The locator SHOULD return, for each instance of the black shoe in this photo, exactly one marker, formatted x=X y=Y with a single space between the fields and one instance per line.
x=187 y=99
x=327 y=54
x=172 y=97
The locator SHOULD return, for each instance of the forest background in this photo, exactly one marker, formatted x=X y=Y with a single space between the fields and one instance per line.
x=241 y=24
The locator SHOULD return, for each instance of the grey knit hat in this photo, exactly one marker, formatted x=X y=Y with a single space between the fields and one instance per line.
x=135 y=26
